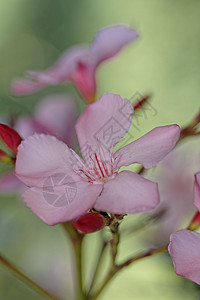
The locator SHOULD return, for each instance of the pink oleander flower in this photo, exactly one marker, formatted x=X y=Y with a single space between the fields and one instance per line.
x=174 y=175
x=62 y=186
x=184 y=246
x=53 y=115
x=78 y=64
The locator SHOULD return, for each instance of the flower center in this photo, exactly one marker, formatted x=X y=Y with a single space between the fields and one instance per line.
x=99 y=167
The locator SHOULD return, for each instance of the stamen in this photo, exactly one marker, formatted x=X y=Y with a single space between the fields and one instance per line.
x=99 y=165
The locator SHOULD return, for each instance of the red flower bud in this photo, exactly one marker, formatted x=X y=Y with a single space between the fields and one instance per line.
x=90 y=222
x=10 y=137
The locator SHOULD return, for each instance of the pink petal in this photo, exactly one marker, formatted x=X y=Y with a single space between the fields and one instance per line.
x=74 y=65
x=128 y=193
x=184 y=250
x=56 y=113
x=104 y=122
x=110 y=40
x=56 y=203
x=22 y=87
x=27 y=126
x=83 y=78
x=150 y=148
x=63 y=67
x=197 y=190
x=40 y=156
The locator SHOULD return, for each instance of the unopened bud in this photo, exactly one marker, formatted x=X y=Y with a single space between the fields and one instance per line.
x=90 y=222
x=10 y=138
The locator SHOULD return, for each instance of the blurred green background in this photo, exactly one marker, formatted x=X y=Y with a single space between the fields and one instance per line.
x=164 y=62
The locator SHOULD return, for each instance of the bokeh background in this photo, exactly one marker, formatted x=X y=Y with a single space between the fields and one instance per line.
x=164 y=62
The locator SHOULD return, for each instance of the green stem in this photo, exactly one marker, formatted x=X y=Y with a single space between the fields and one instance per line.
x=114 y=242
x=24 y=278
x=77 y=240
x=119 y=267
x=97 y=268
x=141 y=256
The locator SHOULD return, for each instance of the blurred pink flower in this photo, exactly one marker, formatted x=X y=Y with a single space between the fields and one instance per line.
x=78 y=64
x=175 y=179
x=184 y=249
x=53 y=115
x=62 y=186
x=197 y=190
x=185 y=245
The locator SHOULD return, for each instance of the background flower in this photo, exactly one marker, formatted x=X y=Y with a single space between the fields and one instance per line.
x=175 y=177
x=78 y=64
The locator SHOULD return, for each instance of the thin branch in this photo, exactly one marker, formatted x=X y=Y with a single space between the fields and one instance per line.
x=143 y=255
x=97 y=268
x=25 y=279
x=77 y=240
x=119 y=267
x=114 y=228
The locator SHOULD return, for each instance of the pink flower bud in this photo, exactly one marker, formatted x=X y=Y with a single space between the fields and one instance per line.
x=90 y=222
x=10 y=137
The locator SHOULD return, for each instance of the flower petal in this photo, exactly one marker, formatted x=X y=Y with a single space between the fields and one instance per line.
x=184 y=250
x=104 y=122
x=63 y=67
x=110 y=40
x=128 y=193
x=56 y=113
x=22 y=87
x=197 y=190
x=150 y=148
x=27 y=126
x=40 y=156
x=60 y=203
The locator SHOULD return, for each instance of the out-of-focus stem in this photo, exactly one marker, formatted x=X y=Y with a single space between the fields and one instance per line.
x=77 y=240
x=97 y=268
x=24 y=278
x=143 y=255
x=119 y=267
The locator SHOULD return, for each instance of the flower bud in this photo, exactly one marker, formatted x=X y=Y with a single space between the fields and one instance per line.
x=10 y=137
x=90 y=222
